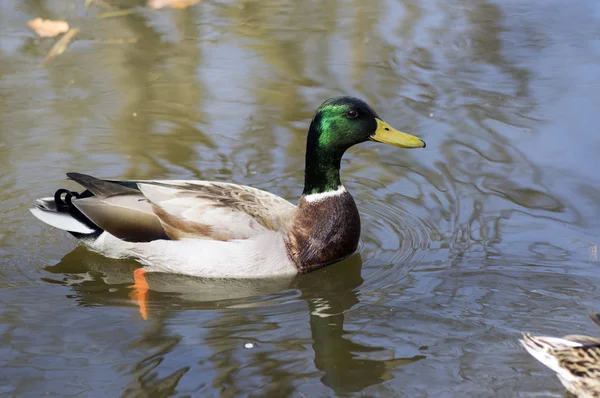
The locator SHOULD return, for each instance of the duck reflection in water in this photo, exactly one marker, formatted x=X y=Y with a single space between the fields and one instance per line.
x=328 y=294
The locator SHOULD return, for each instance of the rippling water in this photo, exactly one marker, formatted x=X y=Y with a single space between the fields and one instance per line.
x=490 y=231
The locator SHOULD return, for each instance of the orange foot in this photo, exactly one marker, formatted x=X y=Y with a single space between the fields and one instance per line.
x=140 y=291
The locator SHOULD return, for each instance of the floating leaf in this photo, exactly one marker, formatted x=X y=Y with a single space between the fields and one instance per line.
x=172 y=3
x=61 y=45
x=48 y=28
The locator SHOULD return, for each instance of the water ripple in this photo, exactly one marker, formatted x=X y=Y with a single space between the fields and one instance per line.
x=394 y=238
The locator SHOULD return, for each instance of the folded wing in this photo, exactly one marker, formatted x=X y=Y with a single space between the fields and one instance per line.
x=141 y=211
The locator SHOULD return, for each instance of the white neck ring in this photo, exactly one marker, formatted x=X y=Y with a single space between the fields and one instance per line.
x=316 y=197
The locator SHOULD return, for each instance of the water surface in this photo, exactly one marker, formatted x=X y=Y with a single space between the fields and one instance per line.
x=489 y=231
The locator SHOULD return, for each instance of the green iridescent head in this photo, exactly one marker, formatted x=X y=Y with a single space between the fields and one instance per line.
x=340 y=123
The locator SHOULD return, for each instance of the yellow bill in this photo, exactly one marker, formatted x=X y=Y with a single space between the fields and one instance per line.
x=389 y=135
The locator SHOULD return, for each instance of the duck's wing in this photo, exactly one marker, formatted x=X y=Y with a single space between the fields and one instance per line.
x=227 y=211
x=148 y=210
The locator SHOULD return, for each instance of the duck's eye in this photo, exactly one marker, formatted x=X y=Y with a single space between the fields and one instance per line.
x=352 y=114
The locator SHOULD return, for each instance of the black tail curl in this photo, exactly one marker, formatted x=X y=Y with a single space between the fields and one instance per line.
x=64 y=204
x=63 y=200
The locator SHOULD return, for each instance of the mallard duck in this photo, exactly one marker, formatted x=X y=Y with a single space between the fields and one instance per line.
x=574 y=358
x=216 y=229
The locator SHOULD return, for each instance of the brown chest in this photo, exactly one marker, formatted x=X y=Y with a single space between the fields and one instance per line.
x=323 y=231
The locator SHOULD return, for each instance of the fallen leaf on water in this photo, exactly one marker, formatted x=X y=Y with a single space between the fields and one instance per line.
x=48 y=28
x=61 y=45
x=171 y=3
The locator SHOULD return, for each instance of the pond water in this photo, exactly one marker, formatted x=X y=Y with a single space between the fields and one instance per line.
x=491 y=230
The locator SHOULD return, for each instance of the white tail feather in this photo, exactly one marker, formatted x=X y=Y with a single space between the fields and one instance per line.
x=62 y=221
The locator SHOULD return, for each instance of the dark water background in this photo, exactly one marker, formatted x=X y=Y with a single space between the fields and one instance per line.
x=491 y=230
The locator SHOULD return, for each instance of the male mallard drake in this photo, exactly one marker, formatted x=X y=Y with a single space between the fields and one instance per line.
x=216 y=229
x=574 y=358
